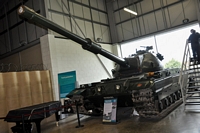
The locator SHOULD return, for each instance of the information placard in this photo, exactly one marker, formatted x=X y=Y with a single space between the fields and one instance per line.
x=110 y=110
x=67 y=82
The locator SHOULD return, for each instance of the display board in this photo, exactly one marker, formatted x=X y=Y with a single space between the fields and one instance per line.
x=67 y=82
x=110 y=110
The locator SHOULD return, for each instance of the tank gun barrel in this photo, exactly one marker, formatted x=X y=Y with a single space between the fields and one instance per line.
x=87 y=44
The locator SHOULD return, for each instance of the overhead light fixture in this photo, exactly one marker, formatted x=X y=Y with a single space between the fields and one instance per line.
x=130 y=11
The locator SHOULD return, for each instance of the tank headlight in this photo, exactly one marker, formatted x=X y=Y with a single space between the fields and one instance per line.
x=117 y=87
x=99 y=89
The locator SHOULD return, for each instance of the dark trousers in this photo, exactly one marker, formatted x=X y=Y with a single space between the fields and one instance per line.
x=196 y=52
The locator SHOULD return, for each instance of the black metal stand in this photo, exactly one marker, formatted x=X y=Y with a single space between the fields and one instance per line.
x=22 y=127
x=77 y=112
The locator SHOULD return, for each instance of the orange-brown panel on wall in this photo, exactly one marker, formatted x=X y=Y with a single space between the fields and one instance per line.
x=25 y=101
x=47 y=97
x=23 y=84
x=12 y=103
x=3 y=110
x=34 y=76
x=46 y=87
x=10 y=84
x=46 y=81
x=35 y=82
x=37 y=98
x=45 y=75
x=2 y=89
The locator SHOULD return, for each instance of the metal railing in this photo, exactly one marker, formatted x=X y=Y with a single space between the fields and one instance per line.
x=183 y=78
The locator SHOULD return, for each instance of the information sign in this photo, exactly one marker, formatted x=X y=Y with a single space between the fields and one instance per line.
x=110 y=110
x=67 y=82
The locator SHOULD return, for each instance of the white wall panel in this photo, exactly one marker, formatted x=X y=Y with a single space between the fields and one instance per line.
x=115 y=5
x=105 y=34
x=59 y=19
x=127 y=30
x=30 y=32
x=89 y=32
x=2 y=44
x=14 y=38
x=103 y=18
x=74 y=27
x=7 y=41
x=190 y=13
x=11 y=4
x=160 y=20
x=85 y=2
x=150 y=23
x=101 y=5
x=175 y=15
x=65 y=6
x=81 y=26
x=97 y=30
x=117 y=17
x=138 y=9
x=146 y=6
x=119 y=32
x=95 y=15
x=56 y=5
x=22 y=33
x=156 y=4
x=81 y=11
x=135 y=28
x=142 y=26
x=78 y=12
x=167 y=2
x=39 y=32
x=12 y=18
x=1 y=25
x=86 y=12
x=122 y=3
x=124 y=15
x=93 y=3
x=67 y=23
x=71 y=7
x=36 y=5
x=133 y=8
x=79 y=1
x=29 y=4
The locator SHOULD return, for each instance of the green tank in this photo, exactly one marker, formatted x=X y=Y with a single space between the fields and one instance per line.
x=139 y=81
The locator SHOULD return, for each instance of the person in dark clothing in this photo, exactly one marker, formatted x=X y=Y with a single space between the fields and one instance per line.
x=194 y=40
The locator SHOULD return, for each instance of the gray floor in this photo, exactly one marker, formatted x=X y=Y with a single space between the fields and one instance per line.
x=177 y=121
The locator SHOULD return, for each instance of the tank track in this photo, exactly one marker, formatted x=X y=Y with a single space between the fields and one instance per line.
x=148 y=107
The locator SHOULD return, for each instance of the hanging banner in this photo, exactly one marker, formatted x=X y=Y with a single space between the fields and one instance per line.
x=110 y=110
x=67 y=83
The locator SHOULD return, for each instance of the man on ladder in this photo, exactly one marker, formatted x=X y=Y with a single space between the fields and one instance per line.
x=194 y=40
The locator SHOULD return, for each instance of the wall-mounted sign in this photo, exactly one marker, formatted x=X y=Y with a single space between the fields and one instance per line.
x=67 y=82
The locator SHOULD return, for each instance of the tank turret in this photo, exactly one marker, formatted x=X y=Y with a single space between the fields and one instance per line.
x=140 y=80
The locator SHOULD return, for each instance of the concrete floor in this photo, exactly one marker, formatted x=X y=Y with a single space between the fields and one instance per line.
x=177 y=121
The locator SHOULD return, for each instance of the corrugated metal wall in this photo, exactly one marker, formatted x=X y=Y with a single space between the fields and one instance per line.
x=153 y=16
x=86 y=18
x=16 y=33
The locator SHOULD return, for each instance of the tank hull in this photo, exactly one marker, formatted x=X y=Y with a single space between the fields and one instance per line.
x=150 y=97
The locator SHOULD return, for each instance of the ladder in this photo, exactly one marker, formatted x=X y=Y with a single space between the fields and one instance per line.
x=189 y=81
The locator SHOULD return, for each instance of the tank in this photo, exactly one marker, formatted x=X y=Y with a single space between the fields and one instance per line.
x=139 y=81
